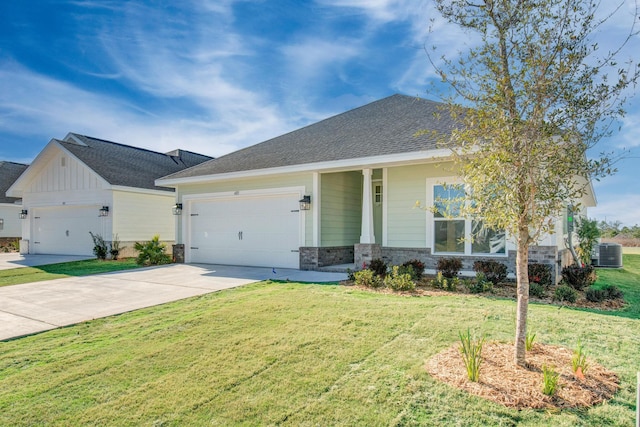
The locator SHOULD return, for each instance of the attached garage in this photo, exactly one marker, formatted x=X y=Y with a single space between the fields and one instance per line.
x=65 y=230
x=259 y=230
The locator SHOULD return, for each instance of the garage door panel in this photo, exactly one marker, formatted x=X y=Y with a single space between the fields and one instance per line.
x=65 y=230
x=260 y=231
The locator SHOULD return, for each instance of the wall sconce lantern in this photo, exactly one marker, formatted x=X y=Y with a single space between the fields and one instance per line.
x=305 y=203
x=104 y=211
x=23 y=214
x=177 y=209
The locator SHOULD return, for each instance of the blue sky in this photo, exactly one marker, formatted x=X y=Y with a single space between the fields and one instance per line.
x=214 y=76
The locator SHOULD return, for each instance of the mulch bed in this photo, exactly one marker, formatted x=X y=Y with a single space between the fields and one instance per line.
x=502 y=381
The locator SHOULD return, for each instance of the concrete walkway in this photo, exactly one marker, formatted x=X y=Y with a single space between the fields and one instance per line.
x=15 y=260
x=35 y=307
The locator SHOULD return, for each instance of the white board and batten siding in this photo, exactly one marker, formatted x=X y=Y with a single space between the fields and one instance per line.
x=262 y=228
x=63 y=200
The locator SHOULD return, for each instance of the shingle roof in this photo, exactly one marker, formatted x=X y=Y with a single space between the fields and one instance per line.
x=9 y=172
x=128 y=166
x=386 y=126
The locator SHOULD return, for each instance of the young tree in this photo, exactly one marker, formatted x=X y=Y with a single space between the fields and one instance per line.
x=531 y=98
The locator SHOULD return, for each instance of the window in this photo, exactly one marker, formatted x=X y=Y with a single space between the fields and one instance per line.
x=455 y=234
x=448 y=226
x=377 y=193
x=1 y=224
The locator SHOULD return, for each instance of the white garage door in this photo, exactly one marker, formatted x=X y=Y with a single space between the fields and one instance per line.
x=64 y=230
x=258 y=231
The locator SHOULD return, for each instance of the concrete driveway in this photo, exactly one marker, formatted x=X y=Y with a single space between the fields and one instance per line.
x=15 y=260
x=35 y=307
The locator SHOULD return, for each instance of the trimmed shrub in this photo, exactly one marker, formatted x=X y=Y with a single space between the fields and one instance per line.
x=565 y=293
x=378 y=266
x=449 y=267
x=442 y=282
x=540 y=273
x=612 y=292
x=537 y=290
x=417 y=266
x=595 y=295
x=367 y=278
x=481 y=284
x=399 y=281
x=152 y=252
x=494 y=271
x=579 y=277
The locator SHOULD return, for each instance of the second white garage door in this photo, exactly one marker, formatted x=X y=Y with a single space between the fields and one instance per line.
x=259 y=231
x=64 y=230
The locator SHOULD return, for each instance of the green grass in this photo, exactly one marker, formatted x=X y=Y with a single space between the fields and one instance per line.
x=17 y=276
x=628 y=280
x=292 y=354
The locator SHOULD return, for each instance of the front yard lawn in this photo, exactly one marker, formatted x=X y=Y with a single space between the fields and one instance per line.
x=16 y=276
x=294 y=354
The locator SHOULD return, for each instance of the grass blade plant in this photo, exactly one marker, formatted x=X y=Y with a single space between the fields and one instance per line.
x=529 y=339
x=471 y=350
x=549 y=380
x=579 y=363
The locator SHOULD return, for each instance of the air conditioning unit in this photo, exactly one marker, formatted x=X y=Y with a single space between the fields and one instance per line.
x=609 y=255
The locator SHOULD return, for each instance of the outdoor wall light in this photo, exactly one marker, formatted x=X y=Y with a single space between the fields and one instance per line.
x=104 y=211
x=23 y=214
x=305 y=203
x=177 y=209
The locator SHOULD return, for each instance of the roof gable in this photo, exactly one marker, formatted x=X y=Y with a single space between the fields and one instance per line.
x=9 y=173
x=124 y=165
x=384 y=127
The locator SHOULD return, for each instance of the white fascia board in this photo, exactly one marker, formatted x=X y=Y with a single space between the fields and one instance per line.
x=387 y=160
x=143 y=190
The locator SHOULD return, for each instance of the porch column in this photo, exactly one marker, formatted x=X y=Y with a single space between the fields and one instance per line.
x=366 y=232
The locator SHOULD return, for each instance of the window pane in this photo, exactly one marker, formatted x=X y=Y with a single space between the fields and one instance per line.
x=486 y=240
x=449 y=236
x=447 y=201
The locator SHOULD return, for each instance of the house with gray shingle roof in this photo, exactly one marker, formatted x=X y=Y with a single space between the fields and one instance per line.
x=81 y=184
x=339 y=191
x=10 y=207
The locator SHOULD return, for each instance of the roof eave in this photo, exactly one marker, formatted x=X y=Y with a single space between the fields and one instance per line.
x=386 y=160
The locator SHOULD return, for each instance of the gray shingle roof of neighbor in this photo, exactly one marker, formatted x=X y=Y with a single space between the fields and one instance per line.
x=9 y=172
x=129 y=166
x=386 y=126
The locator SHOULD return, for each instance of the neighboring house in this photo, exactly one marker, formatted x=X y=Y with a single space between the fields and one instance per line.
x=362 y=172
x=81 y=184
x=10 y=207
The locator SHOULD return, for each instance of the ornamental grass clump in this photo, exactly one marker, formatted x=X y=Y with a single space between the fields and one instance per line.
x=579 y=363
x=529 y=339
x=471 y=350
x=549 y=380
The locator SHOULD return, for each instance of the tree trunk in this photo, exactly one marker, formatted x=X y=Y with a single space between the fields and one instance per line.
x=522 y=276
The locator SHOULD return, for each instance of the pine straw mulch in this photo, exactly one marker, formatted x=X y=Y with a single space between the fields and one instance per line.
x=503 y=382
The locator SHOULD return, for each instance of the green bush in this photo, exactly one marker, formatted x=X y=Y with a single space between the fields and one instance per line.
x=99 y=246
x=152 y=252
x=367 y=278
x=417 y=266
x=579 y=277
x=537 y=290
x=494 y=271
x=378 y=266
x=612 y=292
x=480 y=285
x=565 y=293
x=442 y=282
x=449 y=267
x=399 y=281
x=540 y=273
x=595 y=295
